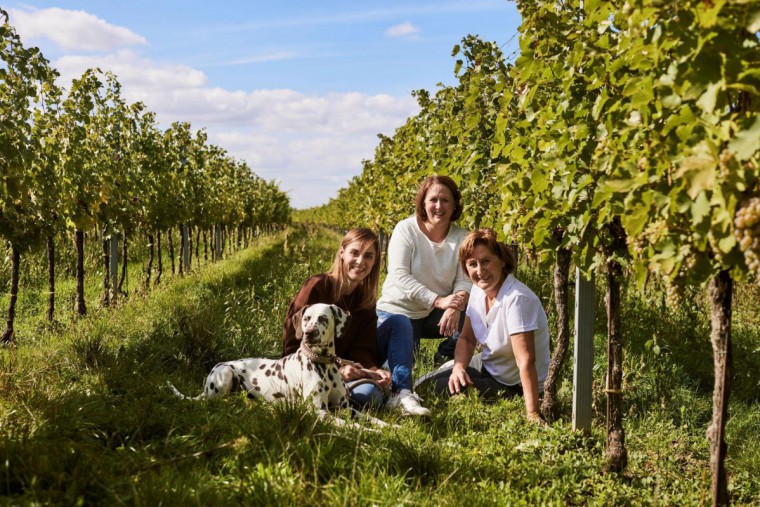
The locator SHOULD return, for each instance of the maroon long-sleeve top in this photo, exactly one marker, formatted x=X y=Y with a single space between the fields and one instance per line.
x=358 y=342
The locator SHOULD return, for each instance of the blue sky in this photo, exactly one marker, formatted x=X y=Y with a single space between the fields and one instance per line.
x=298 y=89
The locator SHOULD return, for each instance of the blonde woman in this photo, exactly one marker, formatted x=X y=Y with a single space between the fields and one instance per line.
x=351 y=284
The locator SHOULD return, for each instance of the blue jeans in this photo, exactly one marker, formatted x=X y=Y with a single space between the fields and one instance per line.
x=398 y=338
x=366 y=395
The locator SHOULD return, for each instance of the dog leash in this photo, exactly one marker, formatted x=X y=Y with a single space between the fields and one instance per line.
x=372 y=377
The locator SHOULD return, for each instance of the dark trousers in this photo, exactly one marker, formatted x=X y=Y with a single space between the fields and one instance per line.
x=487 y=386
x=427 y=327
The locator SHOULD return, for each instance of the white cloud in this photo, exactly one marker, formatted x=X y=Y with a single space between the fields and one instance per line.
x=312 y=144
x=141 y=74
x=72 y=29
x=266 y=57
x=405 y=29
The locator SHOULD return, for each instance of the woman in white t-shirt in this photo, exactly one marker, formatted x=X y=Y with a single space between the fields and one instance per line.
x=507 y=319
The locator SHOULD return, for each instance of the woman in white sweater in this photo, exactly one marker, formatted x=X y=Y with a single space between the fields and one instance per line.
x=426 y=291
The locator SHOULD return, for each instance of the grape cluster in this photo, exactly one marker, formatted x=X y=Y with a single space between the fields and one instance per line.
x=747 y=233
x=674 y=293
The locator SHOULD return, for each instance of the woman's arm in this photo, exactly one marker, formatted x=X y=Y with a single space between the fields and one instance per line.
x=524 y=347
x=459 y=379
x=400 y=252
x=449 y=322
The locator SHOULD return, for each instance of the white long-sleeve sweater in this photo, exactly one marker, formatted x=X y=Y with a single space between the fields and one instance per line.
x=420 y=270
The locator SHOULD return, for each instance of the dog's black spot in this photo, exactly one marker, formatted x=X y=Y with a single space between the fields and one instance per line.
x=250 y=396
x=255 y=381
x=278 y=366
x=309 y=367
x=278 y=395
x=335 y=385
x=211 y=385
x=243 y=370
x=262 y=367
x=268 y=373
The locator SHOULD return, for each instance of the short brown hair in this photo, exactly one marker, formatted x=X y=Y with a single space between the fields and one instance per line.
x=486 y=237
x=419 y=201
x=368 y=288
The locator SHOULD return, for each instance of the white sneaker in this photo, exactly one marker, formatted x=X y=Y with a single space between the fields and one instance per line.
x=407 y=402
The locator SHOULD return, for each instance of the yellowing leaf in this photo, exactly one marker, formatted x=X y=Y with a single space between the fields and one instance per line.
x=699 y=170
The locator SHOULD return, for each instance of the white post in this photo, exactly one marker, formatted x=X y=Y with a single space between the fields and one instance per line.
x=583 y=353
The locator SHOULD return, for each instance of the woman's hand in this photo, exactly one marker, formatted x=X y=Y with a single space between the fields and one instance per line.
x=537 y=418
x=459 y=380
x=456 y=301
x=449 y=322
x=352 y=372
x=382 y=377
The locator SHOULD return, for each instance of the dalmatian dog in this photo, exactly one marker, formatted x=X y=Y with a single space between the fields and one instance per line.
x=311 y=373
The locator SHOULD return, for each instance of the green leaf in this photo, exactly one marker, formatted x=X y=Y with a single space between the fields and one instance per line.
x=635 y=221
x=754 y=23
x=707 y=12
x=708 y=99
x=727 y=243
x=622 y=185
x=746 y=142
x=699 y=170
x=700 y=208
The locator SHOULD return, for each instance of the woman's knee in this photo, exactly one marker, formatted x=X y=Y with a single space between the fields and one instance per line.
x=399 y=326
x=367 y=395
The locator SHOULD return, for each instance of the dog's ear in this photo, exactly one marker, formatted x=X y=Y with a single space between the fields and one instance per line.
x=296 y=319
x=341 y=319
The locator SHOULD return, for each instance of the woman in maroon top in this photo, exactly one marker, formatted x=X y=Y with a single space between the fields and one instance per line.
x=351 y=284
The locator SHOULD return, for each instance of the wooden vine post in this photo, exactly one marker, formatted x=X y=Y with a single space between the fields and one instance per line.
x=720 y=292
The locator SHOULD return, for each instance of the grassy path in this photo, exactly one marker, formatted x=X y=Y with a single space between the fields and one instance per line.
x=84 y=418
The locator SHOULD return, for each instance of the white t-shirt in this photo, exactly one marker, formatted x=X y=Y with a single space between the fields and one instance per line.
x=420 y=270
x=517 y=309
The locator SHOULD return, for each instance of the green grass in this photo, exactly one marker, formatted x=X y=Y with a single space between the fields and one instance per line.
x=84 y=416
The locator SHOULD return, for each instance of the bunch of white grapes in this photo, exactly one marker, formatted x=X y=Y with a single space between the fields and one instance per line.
x=747 y=233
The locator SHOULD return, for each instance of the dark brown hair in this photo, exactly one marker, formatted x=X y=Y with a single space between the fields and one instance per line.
x=368 y=288
x=486 y=237
x=419 y=201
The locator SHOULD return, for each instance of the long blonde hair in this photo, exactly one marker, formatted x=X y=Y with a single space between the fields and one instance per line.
x=368 y=288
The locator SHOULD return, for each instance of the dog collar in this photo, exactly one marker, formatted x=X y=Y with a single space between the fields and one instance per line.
x=317 y=358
